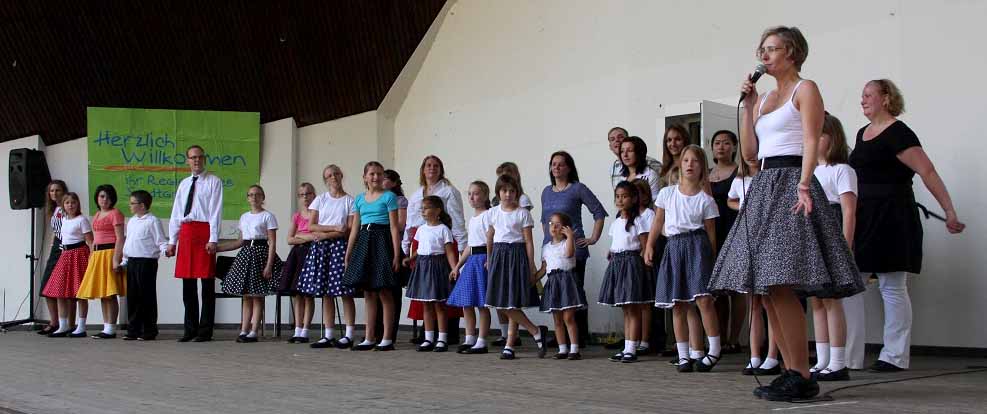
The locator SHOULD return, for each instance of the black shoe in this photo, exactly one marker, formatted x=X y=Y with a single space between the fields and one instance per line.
x=186 y=339
x=47 y=330
x=543 y=349
x=362 y=347
x=440 y=346
x=301 y=339
x=344 y=345
x=246 y=339
x=130 y=337
x=827 y=375
x=241 y=338
x=426 y=346
x=685 y=365
x=748 y=370
x=794 y=387
x=617 y=357
x=207 y=339
x=59 y=334
x=104 y=335
x=760 y=392
x=575 y=356
x=560 y=356
x=462 y=348
x=383 y=348
x=643 y=350
x=776 y=370
x=292 y=339
x=500 y=342
x=78 y=335
x=475 y=351
x=629 y=358
x=701 y=364
x=507 y=354
x=324 y=343
x=883 y=367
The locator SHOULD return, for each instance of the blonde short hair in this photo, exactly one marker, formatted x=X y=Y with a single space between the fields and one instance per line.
x=895 y=103
x=795 y=43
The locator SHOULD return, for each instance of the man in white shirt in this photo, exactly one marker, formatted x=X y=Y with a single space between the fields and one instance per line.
x=144 y=243
x=194 y=227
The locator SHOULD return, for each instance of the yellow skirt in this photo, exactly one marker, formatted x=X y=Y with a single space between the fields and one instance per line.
x=100 y=280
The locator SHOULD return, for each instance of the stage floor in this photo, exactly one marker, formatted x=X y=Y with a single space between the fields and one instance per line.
x=42 y=375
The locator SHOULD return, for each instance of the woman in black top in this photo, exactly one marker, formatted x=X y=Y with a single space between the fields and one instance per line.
x=888 y=238
x=731 y=308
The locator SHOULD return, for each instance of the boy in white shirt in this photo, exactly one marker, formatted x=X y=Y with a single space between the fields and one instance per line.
x=144 y=243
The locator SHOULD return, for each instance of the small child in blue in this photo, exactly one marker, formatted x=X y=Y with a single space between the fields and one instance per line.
x=686 y=214
x=471 y=282
x=562 y=297
x=429 y=283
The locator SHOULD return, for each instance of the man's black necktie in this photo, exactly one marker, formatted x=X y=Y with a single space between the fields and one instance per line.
x=191 y=194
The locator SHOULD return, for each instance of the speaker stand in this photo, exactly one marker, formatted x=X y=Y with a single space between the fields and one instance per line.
x=31 y=262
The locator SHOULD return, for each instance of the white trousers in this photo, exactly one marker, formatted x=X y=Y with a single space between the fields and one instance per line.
x=897 y=322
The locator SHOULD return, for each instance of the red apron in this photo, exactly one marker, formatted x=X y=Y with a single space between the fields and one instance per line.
x=193 y=262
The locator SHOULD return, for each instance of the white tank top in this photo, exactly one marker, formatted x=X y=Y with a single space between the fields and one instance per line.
x=779 y=132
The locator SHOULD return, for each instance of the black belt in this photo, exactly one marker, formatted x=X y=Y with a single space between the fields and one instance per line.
x=478 y=250
x=73 y=245
x=375 y=226
x=784 y=161
x=885 y=190
x=104 y=246
x=255 y=242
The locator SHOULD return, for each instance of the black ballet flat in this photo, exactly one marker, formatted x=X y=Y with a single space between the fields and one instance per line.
x=301 y=340
x=768 y=371
x=885 y=367
x=617 y=357
x=324 y=343
x=560 y=356
x=47 y=330
x=344 y=345
x=78 y=335
x=475 y=351
x=575 y=356
x=702 y=367
x=629 y=358
x=248 y=340
x=838 y=375
x=685 y=365
x=104 y=335
x=507 y=354
x=384 y=348
x=59 y=334
x=461 y=349
x=361 y=347
x=644 y=350
x=441 y=348
x=426 y=346
x=292 y=339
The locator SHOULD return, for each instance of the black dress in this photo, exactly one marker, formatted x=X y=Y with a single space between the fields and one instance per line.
x=888 y=237
x=727 y=215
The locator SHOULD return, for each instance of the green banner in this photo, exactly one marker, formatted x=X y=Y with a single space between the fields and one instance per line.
x=144 y=149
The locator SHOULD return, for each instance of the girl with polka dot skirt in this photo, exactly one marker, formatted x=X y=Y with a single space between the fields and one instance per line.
x=625 y=283
x=300 y=239
x=105 y=279
x=322 y=273
x=66 y=277
x=646 y=204
x=256 y=271
x=434 y=259
x=839 y=182
x=686 y=214
x=372 y=259
x=470 y=273
x=562 y=297
x=511 y=278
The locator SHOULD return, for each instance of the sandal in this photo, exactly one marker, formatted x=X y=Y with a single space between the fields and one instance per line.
x=701 y=366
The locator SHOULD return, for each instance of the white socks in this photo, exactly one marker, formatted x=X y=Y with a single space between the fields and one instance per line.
x=302 y=332
x=574 y=349
x=252 y=334
x=822 y=356
x=443 y=336
x=430 y=336
x=645 y=344
x=349 y=331
x=330 y=332
x=563 y=349
x=63 y=325
x=755 y=363
x=769 y=363
x=109 y=328
x=470 y=340
x=480 y=343
x=683 y=348
x=837 y=358
x=630 y=347
x=714 y=345
x=80 y=326
x=386 y=342
x=366 y=342
x=298 y=332
x=503 y=330
x=696 y=354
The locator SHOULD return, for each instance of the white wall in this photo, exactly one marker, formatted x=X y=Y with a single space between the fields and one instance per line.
x=516 y=80
x=14 y=285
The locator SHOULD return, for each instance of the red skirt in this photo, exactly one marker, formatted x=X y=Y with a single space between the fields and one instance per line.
x=193 y=262
x=68 y=273
x=415 y=310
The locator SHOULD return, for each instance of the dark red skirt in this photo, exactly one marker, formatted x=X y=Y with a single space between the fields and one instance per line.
x=415 y=310
x=193 y=261
x=68 y=273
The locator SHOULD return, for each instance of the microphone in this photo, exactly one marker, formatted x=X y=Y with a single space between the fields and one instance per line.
x=758 y=72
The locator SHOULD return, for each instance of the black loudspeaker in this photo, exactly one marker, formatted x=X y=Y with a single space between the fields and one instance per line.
x=29 y=177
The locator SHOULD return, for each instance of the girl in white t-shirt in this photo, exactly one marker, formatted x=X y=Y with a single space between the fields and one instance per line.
x=741 y=183
x=686 y=215
x=66 y=277
x=256 y=271
x=839 y=182
x=511 y=264
x=330 y=223
x=511 y=169
x=647 y=204
x=470 y=273
x=625 y=283
x=562 y=296
x=429 y=283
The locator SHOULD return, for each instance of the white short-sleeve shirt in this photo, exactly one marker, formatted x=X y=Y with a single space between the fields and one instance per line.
x=622 y=239
x=737 y=188
x=685 y=213
x=333 y=211
x=255 y=226
x=75 y=228
x=509 y=225
x=554 y=256
x=836 y=180
x=648 y=216
x=433 y=239
x=477 y=230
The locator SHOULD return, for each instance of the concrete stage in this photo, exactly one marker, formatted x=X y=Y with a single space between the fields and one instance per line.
x=42 y=375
